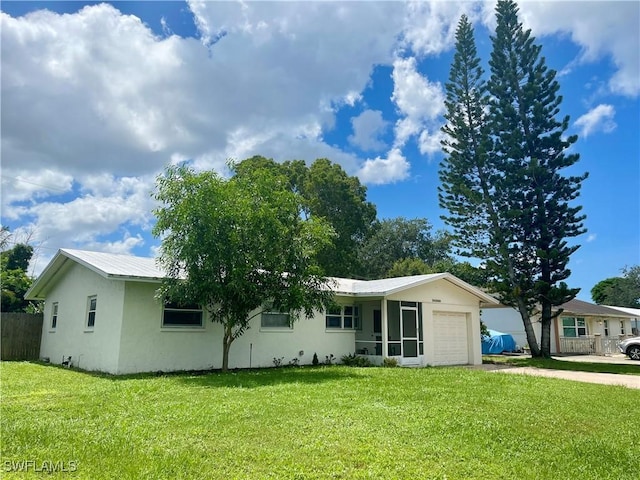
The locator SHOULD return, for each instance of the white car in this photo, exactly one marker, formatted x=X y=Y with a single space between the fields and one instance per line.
x=631 y=347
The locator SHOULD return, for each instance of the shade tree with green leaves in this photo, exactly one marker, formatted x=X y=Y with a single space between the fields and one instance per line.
x=399 y=239
x=237 y=245
x=509 y=200
x=476 y=276
x=621 y=291
x=364 y=247
x=14 y=279
x=326 y=192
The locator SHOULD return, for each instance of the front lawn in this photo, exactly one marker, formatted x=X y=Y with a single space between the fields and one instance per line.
x=325 y=422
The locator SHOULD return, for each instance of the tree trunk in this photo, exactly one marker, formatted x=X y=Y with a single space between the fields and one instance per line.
x=545 y=340
x=227 y=339
x=528 y=329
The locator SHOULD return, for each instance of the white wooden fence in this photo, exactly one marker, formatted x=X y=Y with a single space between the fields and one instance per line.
x=594 y=345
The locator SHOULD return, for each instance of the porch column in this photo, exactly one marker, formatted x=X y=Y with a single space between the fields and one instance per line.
x=385 y=331
x=598 y=343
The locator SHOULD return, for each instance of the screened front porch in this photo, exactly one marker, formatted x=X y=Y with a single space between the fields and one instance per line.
x=391 y=328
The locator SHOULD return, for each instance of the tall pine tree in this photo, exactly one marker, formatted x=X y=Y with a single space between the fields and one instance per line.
x=502 y=180
x=466 y=174
x=530 y=149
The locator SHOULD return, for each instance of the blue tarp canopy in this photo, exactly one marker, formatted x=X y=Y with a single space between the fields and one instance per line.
x=497 y=342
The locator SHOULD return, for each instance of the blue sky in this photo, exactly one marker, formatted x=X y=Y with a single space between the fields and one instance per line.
x=98 y=98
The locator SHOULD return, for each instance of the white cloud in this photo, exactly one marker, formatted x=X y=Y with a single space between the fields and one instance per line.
x=591 y=237
x=414 y=95
x=24 y=185
x=385 y=170
x=95 y=102
x=96 y=98
x=429 y=142
x=420 y=104
x=598 y=119
x=110 y=94
x=123 y=247
x=100 y=219
x=367 y=128
x=430 y=26
x=84 y=218
x=351 y=98
x=298 y=142
x=601 y=29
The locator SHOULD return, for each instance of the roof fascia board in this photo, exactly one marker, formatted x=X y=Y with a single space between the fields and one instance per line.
x=413 y=284
x=132 y=278
x=592 y=314
x=51 y=270
x=442 y=276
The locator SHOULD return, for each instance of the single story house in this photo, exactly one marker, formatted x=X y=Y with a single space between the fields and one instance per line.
x=582 y=327
x=101 y=310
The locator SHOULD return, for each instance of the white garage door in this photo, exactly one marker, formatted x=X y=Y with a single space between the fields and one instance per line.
x=451 y=339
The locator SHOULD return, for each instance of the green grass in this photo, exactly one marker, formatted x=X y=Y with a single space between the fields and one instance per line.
x=564 y=364
x=319 y=423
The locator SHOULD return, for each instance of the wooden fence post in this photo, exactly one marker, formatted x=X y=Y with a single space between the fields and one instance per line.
x=598 y=343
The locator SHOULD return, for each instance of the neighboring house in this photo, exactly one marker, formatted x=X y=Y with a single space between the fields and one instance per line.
x=101 y=310
x=635 y=320
x=582 y=327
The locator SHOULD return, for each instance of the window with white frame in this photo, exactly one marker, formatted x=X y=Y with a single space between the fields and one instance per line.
x=344 y=317
x=606 y=328
x=176 y=315
x=92 y=305
x=574 y=326
x=621 y=327
x=273 y=318
x=54 y=316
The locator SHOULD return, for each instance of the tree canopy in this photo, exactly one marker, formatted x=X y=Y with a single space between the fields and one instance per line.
x=619 y=291
x=328 y=193
x=402 y=240
x=503 y=185
x=237 y=245
x=15 y=281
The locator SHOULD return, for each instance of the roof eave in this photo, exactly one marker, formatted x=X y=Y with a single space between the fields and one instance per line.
x=134 y=278
x=483 y=297
x=40 y=283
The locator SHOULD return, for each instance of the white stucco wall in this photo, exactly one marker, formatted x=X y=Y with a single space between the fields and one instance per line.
x=90 y=349
x=508 y=320
x=146 y=346
x=615 y=326
x=128 y=336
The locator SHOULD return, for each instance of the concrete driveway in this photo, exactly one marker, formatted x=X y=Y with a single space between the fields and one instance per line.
x=617 y=358
x=630 y=381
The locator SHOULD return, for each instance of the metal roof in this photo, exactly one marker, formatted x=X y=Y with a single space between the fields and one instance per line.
x=108 y=265
x=116 y=265
x=387 y=286
x=128 y=267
